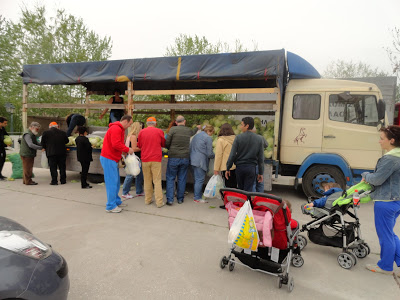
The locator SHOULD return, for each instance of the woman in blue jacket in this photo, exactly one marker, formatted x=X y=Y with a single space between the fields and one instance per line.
x=200 y=153
x=386 y=179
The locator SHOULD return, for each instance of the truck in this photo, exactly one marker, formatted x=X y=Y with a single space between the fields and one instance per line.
x=324 y=129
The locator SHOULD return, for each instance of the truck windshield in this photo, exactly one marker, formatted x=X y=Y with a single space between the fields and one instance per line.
x=359 y=109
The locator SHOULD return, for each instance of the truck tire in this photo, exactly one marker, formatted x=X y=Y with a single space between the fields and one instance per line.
x=319 y=173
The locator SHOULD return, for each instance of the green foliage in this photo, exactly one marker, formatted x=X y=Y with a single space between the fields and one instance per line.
x=37 y=39
x=394 y=56
x=349 y=69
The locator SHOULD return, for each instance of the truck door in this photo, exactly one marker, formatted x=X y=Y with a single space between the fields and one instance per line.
x=301 y=126
x=350 y=129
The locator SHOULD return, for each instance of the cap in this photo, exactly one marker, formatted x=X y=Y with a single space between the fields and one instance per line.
x=53 y=124
x=151 y=119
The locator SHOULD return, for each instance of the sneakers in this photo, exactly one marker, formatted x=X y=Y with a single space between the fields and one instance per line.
x=377 y=269
x=123 y=205
x=200 y=201
x=139 y=195
x=168 y=203
x=127 y=196
x=115 y=210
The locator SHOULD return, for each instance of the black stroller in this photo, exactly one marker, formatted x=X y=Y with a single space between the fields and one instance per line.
x=329 y=228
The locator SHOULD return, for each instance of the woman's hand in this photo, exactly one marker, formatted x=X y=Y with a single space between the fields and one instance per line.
x=227 y=174
x=216 y=172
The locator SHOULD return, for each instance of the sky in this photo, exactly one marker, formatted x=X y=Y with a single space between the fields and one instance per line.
x=320 y=31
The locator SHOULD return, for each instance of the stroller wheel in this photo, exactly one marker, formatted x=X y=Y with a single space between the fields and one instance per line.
x=301 y=241
x=279 y=282
x=231 y=265
x=297 y=261
x=345 y=260
x=354 y=257
x=290 y=285
x=366 y=246
x=223 y=263
x=361 y=251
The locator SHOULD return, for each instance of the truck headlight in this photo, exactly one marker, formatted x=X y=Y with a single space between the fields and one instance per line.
x=24 y=243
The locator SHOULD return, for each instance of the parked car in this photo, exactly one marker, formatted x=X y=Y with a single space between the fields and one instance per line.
x=29 y=268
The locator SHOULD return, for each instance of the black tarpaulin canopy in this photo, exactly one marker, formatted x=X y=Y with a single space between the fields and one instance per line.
x=212 y=71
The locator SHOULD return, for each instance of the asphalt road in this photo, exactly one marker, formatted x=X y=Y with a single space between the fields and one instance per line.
x=174 y=252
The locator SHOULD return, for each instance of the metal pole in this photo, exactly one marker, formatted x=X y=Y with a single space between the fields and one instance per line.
x=12 y=123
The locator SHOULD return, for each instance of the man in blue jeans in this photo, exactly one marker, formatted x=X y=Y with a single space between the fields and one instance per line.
x=177 y=143
x=246 y=154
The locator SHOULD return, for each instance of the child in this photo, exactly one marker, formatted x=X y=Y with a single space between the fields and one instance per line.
x=84 y=154
x=329 y=188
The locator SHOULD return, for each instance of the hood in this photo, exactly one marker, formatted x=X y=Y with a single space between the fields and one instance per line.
x=118 y=123
x=228 y=138
x=394 y=152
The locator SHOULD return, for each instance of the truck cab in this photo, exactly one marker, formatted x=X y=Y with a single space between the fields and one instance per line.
x=329 y=131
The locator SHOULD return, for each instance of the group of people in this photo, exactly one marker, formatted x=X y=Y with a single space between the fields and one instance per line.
x=239 y=159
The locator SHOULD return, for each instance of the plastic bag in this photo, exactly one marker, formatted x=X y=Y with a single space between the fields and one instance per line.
x=243 y=232
x=132 y=165
x=213 y=186
x=17 y=170
x=44 y=162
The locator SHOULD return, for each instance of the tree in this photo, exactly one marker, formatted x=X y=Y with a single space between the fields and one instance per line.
x=346 y=69
x=36 y=39
x=394 y=56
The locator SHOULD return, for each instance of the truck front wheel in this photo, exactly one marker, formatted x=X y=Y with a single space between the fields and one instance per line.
x=315 y=175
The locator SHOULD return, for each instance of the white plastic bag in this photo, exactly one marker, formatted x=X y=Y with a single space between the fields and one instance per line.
x=132 y=165
x=243 y=231
x=44 y=162
x=213 y=186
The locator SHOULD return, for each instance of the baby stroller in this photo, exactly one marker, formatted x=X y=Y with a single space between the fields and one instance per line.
x=329 y=228
x=273 y=258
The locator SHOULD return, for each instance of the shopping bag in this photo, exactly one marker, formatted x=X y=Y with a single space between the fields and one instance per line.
x=243 y=232
x=44 y=162
x=213 y=186
x=132 y=163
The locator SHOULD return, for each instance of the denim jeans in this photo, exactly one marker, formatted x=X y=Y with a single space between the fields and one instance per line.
x=177 y=167
x=199 y=176
x=258 y=186
x=113 y=118
x=111 y=179
x=245 y=176
x=138 y=183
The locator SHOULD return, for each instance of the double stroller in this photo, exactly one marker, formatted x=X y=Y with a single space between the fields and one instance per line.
x=277 y=246
x=329 y=227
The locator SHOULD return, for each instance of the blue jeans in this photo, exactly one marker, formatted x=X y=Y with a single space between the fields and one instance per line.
x=246 y=176
x=199 y=176
x=386 y=214
x=138 y=183
x=177 y=167
x=112 y=181
x=114 y=117
x=258 y=186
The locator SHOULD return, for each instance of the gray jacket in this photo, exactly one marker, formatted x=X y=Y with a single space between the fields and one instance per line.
x=201 y=150
x=386 y=177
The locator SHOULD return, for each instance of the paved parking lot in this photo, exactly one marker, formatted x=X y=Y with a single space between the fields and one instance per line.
x=147 y=252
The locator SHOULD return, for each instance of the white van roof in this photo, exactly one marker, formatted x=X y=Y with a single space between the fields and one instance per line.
x=323 y=85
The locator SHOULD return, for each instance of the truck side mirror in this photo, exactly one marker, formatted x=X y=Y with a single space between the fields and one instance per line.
x=381 y=109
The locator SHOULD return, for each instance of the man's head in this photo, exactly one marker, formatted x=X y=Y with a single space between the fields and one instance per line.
x=3 y=122
x=53 y=125
x=126 y=121
x=34 y=127
x=180 y=120
x=151 y=122
x=247 y=124
x=82 y=130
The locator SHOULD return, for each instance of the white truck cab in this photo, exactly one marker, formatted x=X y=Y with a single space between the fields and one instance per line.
x=329 y=131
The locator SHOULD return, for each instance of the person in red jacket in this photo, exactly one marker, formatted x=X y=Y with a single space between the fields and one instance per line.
x=150 y=142
x=113 y=146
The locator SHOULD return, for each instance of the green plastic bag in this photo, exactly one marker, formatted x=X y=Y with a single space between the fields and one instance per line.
x=17 y=171
x=348 y=196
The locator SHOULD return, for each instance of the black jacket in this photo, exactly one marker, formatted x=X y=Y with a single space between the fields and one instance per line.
x=3 y=132
x=54 y=140
x=83 y=149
